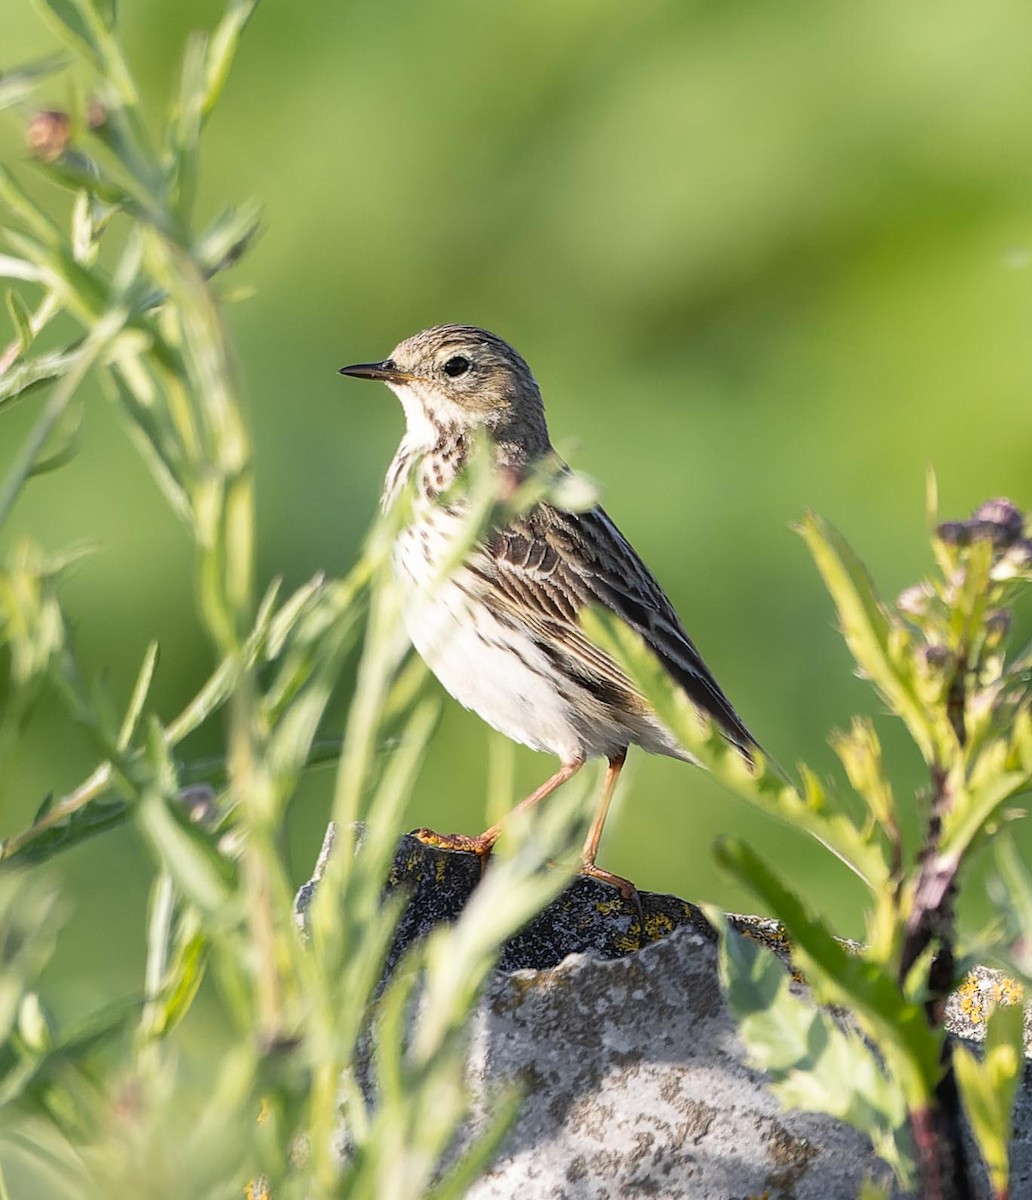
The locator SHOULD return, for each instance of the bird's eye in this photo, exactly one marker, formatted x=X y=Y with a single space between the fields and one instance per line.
x=457 y=366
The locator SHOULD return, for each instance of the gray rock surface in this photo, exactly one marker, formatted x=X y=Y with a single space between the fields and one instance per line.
x=610 y=1018
x=635 y=1086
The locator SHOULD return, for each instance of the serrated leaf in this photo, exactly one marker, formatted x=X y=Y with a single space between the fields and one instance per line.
x=876 y=640
x=860 y=753
x=812 y=1062
x=988 y=1086
x=999 y=773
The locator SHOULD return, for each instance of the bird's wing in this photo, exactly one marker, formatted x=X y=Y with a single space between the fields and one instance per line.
x=544 y=567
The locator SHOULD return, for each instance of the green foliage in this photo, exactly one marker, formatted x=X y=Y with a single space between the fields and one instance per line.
x=988 y=1085
x=812 y=1062
x=126 y=1113
x=939 y=660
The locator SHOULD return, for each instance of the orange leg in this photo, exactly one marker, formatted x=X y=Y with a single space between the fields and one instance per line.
x=482 y=845
x=627 y=889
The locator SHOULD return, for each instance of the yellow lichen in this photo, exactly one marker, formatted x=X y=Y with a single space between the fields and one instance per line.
x=978 y=996
x=658 y=925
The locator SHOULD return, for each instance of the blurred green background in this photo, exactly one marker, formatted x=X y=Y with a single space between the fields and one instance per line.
x=761 y=258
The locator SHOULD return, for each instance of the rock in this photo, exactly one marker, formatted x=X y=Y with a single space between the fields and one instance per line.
x=590 y=917
x=612 y=1021
x=635 y=1086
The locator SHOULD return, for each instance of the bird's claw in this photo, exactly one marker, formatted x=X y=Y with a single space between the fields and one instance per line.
x=624 y=886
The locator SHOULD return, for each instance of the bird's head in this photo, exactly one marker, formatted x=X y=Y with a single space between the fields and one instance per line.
x=452 y=379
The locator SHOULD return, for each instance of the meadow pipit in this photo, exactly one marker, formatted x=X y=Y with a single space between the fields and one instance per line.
x=501 y=633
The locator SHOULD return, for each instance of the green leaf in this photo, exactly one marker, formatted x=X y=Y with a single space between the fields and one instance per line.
x=186 y=853
x=223 y=48
x=28 y=212
x=229 y=237
x=29 y=921
x=811 y=1061
x=477 y=1157
x=19 y=268
x=871 y=1189
x=184 y=850
x=177 y=952
x=988 y=1085
x=22 y=319
x=103 y=332
x=67 y=438
x=86 y=25
x=1001 y=771
x=879 y=643
x=860 y=753
x=18 y=85
x=184 y=132
x=21 y=378
x=897 y=1025
x=1011 y=891
x=760 y=782
x=96 y=817
x=68 y=18
x=138 y=698
x=150 y=429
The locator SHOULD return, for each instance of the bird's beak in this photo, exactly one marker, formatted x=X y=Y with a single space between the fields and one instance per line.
x=386 y=370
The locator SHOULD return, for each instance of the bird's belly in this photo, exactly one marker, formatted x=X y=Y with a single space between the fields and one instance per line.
x=498 y=669
x=498 y=672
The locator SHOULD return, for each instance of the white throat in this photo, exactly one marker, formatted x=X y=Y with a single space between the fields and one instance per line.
x=420 y=433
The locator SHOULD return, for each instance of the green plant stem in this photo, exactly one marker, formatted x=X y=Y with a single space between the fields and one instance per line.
x=94 y=785
x=102 y=335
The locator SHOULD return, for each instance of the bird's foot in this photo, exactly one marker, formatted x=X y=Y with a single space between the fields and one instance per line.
x=623 y=886
x=480 y=846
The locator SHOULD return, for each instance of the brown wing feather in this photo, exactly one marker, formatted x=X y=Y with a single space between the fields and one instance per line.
x=548 y=564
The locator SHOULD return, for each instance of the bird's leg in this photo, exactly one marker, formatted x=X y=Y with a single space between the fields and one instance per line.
x=482 y=845
x=626 y=888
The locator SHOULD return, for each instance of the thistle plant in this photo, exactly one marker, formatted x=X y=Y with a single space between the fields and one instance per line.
x=111 y=1100
x=939 y=659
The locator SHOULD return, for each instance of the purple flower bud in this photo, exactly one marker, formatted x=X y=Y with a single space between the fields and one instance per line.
x=954 y=533
x=998 y=520
x=936 y=657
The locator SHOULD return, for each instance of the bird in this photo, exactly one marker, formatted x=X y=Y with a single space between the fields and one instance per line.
x=501 y=632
